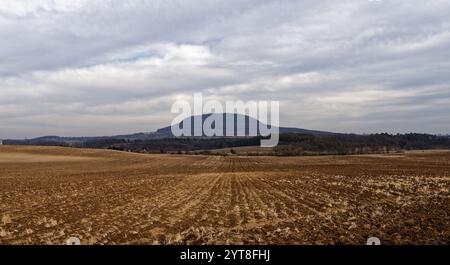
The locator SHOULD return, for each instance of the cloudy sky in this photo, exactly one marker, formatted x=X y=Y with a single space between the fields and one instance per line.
x=108 y=67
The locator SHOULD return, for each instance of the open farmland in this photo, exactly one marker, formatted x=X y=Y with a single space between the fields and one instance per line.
x=48 y=194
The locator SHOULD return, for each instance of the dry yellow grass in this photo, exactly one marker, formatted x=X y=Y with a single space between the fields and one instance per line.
x=48 y=194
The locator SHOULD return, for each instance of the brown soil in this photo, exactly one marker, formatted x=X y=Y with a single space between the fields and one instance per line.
x=48 y=194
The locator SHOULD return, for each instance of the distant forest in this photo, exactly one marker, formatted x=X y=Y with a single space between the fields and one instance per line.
x=343 y=144
x=291 y=144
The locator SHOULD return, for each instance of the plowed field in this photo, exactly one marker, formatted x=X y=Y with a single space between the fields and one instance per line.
x=48 y=194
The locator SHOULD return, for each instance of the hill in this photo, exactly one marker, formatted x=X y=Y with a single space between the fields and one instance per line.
x=245 y=128
x=161 y=133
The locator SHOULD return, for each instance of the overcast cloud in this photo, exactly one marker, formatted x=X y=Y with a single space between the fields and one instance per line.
x=108 y=67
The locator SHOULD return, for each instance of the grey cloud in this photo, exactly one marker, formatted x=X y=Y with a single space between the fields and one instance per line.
x=106 y=67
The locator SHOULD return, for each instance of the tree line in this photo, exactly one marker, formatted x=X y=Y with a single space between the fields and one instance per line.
x=290 y=144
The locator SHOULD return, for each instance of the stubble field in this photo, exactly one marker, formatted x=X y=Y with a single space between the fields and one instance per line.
x=48 y=194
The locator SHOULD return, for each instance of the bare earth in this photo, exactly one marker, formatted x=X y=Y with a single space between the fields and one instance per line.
x=48 y=194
